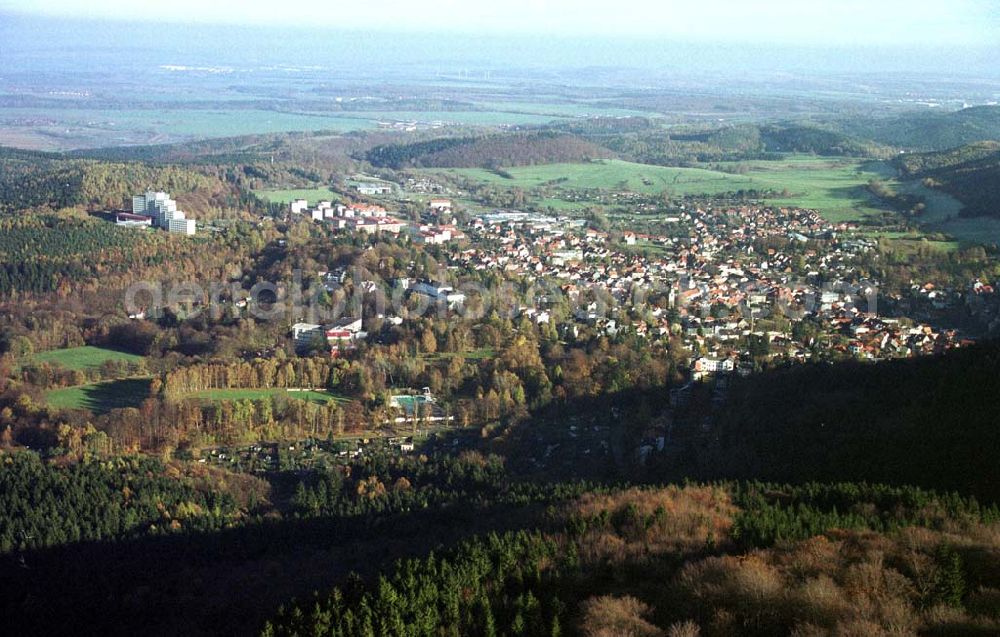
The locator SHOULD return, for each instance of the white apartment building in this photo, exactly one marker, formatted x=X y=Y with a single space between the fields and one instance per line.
x=164 y=212
x=182 y=226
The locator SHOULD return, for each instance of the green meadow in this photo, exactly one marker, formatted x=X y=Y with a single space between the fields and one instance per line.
x=464 y=118
x=942 y=215
x=911 y=245
x=316 y=397
x=610 y=174
x=835 y=187
x=192 y=122
x=82 y=358
x=560 y=109
x=101 y=397
x=474 y=355
x=312 y=195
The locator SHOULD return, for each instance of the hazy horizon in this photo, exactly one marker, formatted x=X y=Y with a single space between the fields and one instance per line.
x=823 y=22
x=24 y=37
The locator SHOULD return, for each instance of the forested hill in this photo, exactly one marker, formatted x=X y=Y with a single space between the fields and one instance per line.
x=927 y=130
x=804 y=138
x=647 y=141
x=699 y=561
x=515 y=149
x=30 y=180
x=930 y=422
x=969 y=173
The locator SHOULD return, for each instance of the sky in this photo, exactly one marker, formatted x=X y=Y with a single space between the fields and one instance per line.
x=900 y=23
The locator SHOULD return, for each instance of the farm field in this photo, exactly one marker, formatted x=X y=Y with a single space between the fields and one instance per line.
x=101 y=397
x=73 y=128
x=559 y=109
x=63 y=125
x=468 y=118
x=608 y=175
x=835 y=187
x=312 y=195
x=86 y=357
x=313 y=396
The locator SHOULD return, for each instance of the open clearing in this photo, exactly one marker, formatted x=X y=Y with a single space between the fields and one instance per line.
x=610 y=174
x=314 y=396
x=86 y=357
x=101 y=397
x=474 y=355
x=835 y=187
x=70 y=128
x=312 y=195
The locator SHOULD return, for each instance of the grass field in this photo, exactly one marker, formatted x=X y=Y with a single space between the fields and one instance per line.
x=609 y=175
x=188 y=122
x=910 y=245
x=86 y=357
x=978 y=230
x=474 y=355
x=942 y=213
x=558 y=108
x=65 y=128
x=464 y=118
x=101 y=397
x=835 y=187
x=312 y=195
x=316 y=397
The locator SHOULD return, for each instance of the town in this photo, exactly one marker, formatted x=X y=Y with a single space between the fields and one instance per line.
x=708 y=283
x=536 y=319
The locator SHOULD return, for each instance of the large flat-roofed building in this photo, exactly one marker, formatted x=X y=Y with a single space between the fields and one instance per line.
x=378 y=224
x=304 y=334
x=139 y=204
x=373 y=188
x=182 y=226
x=163 y=211
x=339 y=334
x=133 y=221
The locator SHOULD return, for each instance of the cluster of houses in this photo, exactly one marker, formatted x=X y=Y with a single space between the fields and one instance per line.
x=712 y=282
x=709 y=284
x=372 y=218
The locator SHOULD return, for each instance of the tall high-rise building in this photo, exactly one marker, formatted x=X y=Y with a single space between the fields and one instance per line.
x=181 y=226
x=164 y=212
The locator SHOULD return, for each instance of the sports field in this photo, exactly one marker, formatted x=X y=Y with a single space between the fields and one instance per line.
x=312 y=195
